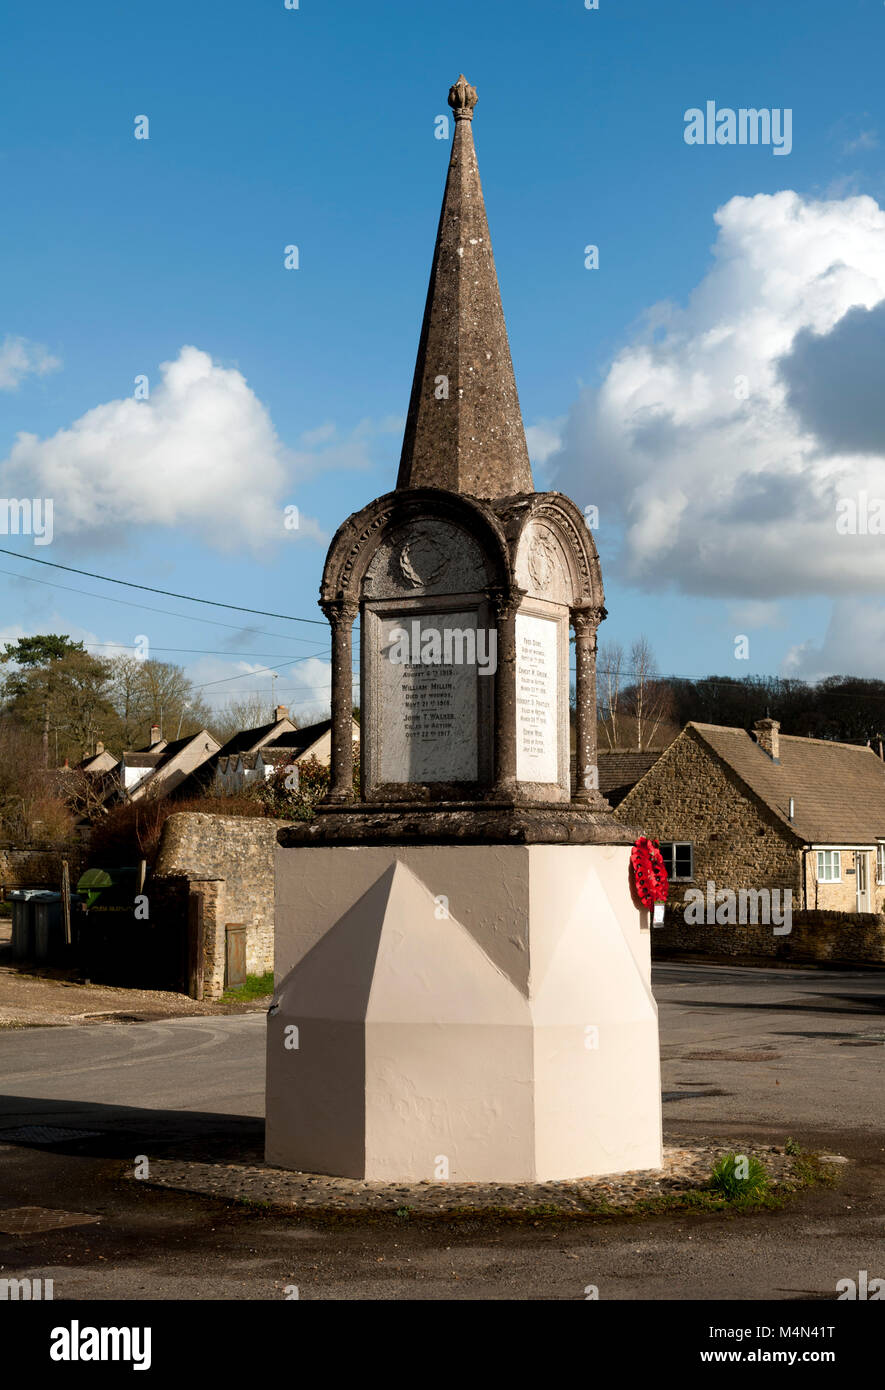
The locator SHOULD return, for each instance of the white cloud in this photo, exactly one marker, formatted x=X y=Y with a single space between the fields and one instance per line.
x=692 y=442
x=852 y=645
x=304 y=686
x=326 y=448
x=20 y=358
x=200 y=452
x=544 y=438
x=757 y=613
x=865 y=140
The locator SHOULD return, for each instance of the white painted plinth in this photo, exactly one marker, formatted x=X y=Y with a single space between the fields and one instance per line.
x=482 y=1013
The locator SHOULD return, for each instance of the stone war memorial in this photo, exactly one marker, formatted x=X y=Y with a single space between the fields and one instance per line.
x=462 y=968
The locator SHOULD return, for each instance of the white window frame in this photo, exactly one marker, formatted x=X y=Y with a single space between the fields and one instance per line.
x=880 y=862
x=835 y=857
x=680 y=844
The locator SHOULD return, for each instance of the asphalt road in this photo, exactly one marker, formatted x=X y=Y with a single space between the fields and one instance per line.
x=746 y=1054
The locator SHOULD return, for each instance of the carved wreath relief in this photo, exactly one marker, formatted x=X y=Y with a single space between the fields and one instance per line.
x=422 y=561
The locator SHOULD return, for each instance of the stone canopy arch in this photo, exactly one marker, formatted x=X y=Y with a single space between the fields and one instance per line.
x=357 y=542
x=554 y=514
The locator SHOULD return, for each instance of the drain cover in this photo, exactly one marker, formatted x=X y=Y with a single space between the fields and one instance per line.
x=20 y=1221
x=45 y=1134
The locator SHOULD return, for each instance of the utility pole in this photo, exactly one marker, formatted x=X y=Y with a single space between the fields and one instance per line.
x=186 y=705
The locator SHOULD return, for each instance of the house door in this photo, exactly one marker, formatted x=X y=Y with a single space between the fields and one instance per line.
x=862 y=880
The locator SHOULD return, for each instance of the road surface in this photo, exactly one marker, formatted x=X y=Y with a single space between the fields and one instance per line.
x=746 y=1054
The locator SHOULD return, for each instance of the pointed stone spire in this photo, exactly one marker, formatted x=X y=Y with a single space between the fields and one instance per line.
x=464 y=430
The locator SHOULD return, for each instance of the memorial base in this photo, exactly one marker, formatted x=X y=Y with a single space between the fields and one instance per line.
x=477 y=1013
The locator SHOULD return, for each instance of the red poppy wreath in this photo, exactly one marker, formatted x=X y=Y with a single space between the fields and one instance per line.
x=649 y=872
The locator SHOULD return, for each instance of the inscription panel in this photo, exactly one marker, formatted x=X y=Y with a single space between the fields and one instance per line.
x=537 y=686
x=427 y=707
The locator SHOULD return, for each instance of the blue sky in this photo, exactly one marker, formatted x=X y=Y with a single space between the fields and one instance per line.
x=315 y=127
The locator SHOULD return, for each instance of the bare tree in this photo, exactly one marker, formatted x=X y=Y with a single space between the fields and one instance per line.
x=609 y=662
x=156 y=692
x=648 y=699
x=243 y=712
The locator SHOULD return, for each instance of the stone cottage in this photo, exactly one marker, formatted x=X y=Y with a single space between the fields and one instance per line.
x=213 y=775
x=239 y=770
x=764 y=810
x=164 y=767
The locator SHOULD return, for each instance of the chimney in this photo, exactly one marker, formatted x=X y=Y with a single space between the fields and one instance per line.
x=768 y=737
x=99 y=747
x=281 y=712
x=155 y=734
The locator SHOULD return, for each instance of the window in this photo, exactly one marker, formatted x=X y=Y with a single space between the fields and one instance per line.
x=880 y=862
x=829 y=866
x=678 y=859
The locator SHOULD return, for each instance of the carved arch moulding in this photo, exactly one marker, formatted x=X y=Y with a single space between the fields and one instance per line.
x=358 y=540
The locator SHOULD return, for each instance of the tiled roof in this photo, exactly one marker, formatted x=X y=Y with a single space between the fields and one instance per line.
x=619 y=772
x=838 y=789
x=200 y=781
x=249 y=740
x=274 y=754
x=300 y=739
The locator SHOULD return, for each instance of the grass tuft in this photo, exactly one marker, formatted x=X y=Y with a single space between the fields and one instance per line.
x=739 y=1178
x=256 y=987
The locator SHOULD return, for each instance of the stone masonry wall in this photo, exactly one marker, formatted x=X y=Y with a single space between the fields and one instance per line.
x=215 y=920
x=689 y=795
x=39 y=867
x=238 y=851
x=821 y=938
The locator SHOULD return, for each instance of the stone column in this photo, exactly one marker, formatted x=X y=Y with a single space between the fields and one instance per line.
x=506 y=604
x=585 y=622
x=341 y=616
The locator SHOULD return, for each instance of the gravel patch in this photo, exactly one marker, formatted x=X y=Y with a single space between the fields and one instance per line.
x=685 y=1169
x=32 y=999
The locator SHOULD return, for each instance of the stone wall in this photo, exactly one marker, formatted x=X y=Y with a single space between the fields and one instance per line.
x=738 y=843
x=821 y=938
x=235 y=853
x=215 y=919
x=39 y=866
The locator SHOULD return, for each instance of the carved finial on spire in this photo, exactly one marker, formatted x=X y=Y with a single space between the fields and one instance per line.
x=464 y=431
x=462 y=99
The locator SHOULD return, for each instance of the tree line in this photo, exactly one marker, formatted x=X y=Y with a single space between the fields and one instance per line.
x=64 y=700
x=639 y=708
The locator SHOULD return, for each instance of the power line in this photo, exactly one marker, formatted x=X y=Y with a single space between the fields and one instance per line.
x=205 y=651
x=147 y=608
x=262 y=670
x=167 y=593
